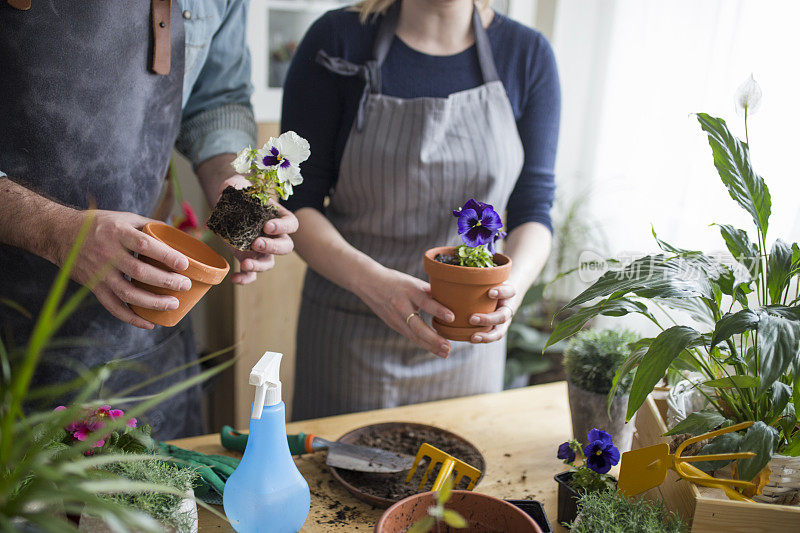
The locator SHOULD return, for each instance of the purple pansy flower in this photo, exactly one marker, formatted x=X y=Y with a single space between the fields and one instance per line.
x=478 y=223
x=600 y=453
x=566 y=452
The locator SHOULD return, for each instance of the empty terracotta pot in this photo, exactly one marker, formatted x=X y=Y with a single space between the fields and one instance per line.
x=463 y=290
x=206 y=268
x=483 y=514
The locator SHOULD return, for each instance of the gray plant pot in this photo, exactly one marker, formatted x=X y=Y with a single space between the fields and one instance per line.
x=588 y=411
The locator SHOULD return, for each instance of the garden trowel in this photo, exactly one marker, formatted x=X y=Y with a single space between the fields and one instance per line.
x=340 y=454
x=450 y=466
x=646 y=468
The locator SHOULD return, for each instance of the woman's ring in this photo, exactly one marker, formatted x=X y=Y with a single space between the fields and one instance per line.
x=409 y=317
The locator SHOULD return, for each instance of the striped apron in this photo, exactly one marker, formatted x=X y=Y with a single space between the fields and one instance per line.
x=407 y=164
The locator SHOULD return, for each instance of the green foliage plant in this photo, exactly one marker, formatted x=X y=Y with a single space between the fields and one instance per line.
x=41 y=477
x=438 y=513
x=747 y=344
x=611 y=512
x=593 y=357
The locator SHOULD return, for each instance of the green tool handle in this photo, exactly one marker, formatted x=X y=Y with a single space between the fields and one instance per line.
x=236 y=441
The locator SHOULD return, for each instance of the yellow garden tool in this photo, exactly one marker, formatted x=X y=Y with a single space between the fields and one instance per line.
x=646 y=468
x=449 y=465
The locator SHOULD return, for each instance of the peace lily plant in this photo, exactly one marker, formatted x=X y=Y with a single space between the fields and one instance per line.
x=273 y=171
x=746 y=343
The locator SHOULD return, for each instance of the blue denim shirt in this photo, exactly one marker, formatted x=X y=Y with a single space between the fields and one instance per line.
x=217 y=114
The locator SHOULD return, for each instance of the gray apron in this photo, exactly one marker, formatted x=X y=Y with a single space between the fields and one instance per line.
x=407 y=164
x=85 y=119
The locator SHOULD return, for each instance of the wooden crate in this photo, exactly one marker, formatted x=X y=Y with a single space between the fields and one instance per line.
x=707 y=510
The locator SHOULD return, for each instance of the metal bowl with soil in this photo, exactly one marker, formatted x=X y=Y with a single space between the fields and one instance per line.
x=383 y=490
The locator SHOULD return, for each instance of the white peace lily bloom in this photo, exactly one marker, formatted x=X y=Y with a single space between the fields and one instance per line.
x=748 y=96
x=242 y=162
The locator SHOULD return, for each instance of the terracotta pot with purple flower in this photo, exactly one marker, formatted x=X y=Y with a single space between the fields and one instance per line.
x=461 y=276
x=273 y=170
x=591 y=475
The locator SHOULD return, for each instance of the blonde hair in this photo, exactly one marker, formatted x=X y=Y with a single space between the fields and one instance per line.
x=373 y=8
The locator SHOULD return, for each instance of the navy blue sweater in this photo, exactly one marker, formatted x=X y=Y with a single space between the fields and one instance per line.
x=321 y=106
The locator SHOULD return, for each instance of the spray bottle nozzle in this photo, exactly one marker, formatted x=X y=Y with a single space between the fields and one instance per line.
x=266 y=377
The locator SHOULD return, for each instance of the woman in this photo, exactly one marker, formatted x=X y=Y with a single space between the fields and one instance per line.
x=411 y=108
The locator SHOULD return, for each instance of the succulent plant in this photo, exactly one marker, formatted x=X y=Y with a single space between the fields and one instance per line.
x=593 y=357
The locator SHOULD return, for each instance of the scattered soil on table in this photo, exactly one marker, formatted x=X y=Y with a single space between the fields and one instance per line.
x=407 y=440
x=239 y=218
x=448 y=259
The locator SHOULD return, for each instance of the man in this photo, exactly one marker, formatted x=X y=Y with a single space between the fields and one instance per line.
x=93 y=96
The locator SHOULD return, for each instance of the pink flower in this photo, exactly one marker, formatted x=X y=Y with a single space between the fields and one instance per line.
x=132 y=423
x=60 y=408
x=189 y=222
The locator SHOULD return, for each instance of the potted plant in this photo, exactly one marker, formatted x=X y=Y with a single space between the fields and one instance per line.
x=43 y=479
x=426 y=511
x=273 y=171
x=461 y=276
x=591 y=361
x=745 y=342
x=590 y=475
x=611 y=512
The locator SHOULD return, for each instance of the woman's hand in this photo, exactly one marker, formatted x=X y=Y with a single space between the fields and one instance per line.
x=500 y=319
x=261 y=256
x=396 y=297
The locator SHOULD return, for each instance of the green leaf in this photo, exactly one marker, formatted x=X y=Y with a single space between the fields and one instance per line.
x=664 y=349
x=781 y=394
x=608 y=307
x=725 y=443
x=453 y=519
x=779 y=265
x=698 y=423
x=779 y=341
x=793 y=448
x=732 y=324
x=732 y=159
x=733 y=382
x=652 y=276
x=638 y=349
x=741 y=248
x=422 y=526
x=760 y=438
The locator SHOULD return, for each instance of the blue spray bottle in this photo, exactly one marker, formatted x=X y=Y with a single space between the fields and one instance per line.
x=266 y=492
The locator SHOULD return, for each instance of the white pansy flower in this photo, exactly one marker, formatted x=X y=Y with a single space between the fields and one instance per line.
x=242 y=162
x=284 y=155
x=748 y=97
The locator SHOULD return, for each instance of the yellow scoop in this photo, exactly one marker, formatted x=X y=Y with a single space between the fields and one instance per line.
x=449 y=465
x=646 y=468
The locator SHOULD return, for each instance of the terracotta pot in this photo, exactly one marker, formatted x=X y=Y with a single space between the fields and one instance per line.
x=206 y=268
x=463 y=290
x=483 y=514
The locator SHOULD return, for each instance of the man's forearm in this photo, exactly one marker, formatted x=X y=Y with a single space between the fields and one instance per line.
x=32 y=222
x=212 y=172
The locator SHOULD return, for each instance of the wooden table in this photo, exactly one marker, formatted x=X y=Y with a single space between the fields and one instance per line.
x=517 y=431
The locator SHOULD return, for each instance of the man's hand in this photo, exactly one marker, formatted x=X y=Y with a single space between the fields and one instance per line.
x=261 y=257
x=106 y=258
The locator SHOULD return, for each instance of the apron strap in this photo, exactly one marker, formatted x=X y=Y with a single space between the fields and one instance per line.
x=370 y=72
x=22 y=5
x=162 y=43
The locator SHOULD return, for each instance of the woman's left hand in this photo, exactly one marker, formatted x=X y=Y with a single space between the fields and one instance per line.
x=499 y=319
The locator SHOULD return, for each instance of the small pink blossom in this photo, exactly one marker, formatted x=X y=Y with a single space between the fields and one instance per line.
x=60 y=408
x=132 y=423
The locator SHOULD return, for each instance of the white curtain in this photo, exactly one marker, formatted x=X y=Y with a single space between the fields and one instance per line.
x=632 y=73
